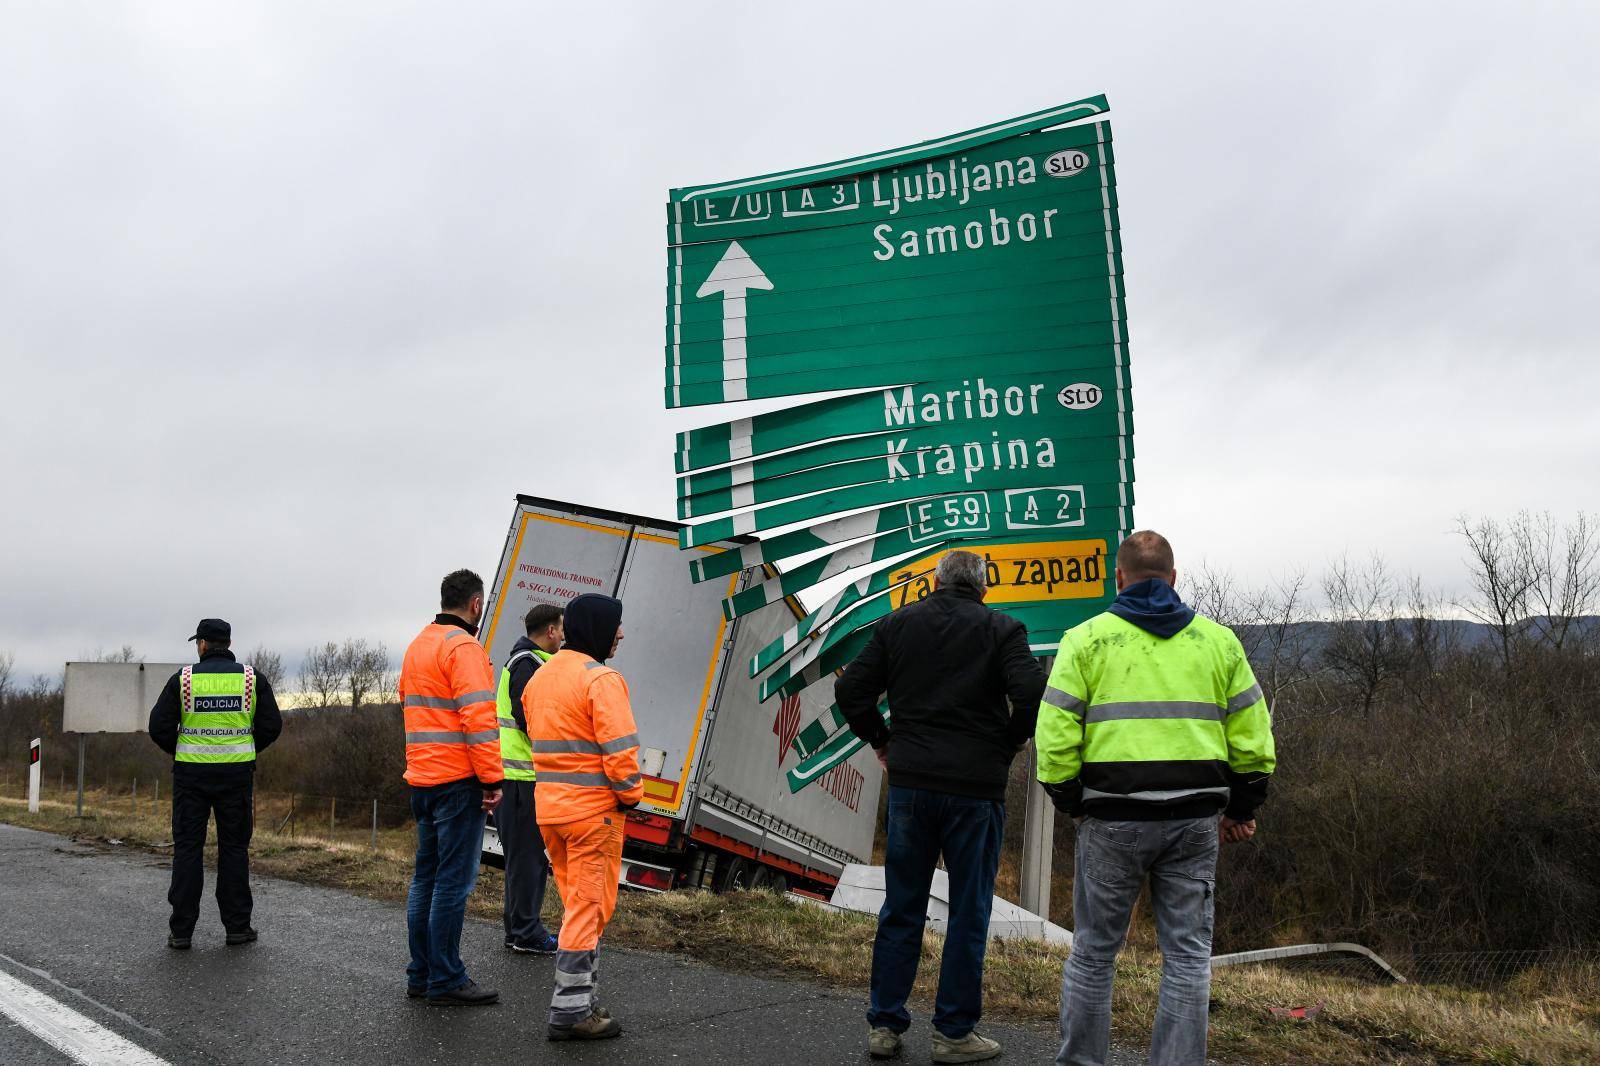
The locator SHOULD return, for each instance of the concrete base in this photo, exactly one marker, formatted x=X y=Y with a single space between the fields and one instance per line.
x=861 y=889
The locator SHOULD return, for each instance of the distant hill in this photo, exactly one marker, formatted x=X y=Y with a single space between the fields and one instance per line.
x=1461 y=633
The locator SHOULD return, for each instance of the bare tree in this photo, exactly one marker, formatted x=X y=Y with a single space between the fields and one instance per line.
x=1214 y=593
x=269 y=664
x=319 y=674
x=1279 y=644
x=1503 y=580
x=124 y=654
x=1563 y=570
x=1429 y=642
x=1364 y=643
x=363 y=667
x=7 y=665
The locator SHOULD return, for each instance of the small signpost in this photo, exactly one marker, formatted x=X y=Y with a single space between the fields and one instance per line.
x=973 y=285
x=35 y=772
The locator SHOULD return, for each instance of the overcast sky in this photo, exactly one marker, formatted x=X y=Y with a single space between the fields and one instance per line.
x=297 y=297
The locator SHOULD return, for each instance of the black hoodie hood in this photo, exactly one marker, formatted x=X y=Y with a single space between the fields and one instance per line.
x=1153 y=606
x=591 y=624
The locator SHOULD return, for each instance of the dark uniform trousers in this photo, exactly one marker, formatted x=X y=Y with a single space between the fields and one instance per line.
x=526 y=868
x=194 y=801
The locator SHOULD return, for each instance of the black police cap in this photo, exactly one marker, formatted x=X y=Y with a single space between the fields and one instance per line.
x=213 y=629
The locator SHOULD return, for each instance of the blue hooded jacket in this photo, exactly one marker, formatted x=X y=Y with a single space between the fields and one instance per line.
x=1153 y=606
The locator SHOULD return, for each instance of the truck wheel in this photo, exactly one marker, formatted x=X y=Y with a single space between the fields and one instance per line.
x=766 y=879
x=735 y=875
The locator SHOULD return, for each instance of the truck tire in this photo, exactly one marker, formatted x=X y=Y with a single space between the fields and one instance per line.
x=735 y=874
x=766 y=879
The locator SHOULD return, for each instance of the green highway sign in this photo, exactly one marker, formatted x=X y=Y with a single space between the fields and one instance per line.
x=830 y=751
x=1043 y=203
x=854 y=497
x=968 y=141
x=990 y=174
x=999 y=353
x=928 y=520
x=1070 y=438
x=974 y=284
x=1027 y=572
x=978 y=456
x=1094 y=396
x=983 y=463
x=1045 y=625
x=894 y=545
x=917 y=343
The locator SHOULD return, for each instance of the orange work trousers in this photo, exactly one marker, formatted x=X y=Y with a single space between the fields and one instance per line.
x=586 y=857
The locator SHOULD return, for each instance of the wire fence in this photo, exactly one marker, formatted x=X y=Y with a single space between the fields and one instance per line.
x=287 y=815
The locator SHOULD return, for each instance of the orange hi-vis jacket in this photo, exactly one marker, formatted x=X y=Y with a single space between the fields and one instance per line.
x=585 y=744
x=447 y=688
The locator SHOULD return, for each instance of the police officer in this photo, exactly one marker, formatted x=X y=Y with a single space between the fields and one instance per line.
x=515 y=818
x=213 y=718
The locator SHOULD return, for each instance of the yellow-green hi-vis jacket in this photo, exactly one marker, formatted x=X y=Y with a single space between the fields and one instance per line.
x=1136 y=726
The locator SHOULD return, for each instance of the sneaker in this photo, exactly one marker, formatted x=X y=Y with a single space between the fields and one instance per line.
x=243 y=936
x=883 y=1043
x=471 y=994
x=970 y=1048
x=416 y=992
x=547 y=946
x=599 y=1025
x=178 y=943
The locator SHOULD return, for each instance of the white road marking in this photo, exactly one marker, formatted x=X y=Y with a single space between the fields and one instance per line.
x=69 y=1032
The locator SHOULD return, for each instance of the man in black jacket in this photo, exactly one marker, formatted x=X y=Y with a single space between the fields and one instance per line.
x=213 y=718
x=949 y=666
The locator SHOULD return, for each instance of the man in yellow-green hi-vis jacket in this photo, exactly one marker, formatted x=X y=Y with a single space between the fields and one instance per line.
x=1152 y=724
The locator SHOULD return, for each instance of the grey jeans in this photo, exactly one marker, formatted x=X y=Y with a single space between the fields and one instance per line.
x=1113 y=860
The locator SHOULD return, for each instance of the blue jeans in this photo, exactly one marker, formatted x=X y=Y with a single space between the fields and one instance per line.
x=1113 y=859
x=924 y=825
x=449 y=849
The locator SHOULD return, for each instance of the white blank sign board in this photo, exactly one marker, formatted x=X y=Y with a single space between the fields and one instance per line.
x=113 y=697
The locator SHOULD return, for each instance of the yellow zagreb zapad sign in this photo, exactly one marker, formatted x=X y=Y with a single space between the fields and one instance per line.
x=1019 y=573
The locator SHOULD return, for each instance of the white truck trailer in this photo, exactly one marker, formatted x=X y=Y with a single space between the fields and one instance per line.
x=717 y=810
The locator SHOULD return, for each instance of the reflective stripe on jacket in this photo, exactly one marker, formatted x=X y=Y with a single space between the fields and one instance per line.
x=585 y=744
x=515 y=754
x=1144 y=722
x=447 y=689
x=216 y=717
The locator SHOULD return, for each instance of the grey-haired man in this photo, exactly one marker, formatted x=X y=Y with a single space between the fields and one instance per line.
x=950 y=666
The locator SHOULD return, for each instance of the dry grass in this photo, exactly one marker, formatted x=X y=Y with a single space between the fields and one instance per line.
x=1539 y=1018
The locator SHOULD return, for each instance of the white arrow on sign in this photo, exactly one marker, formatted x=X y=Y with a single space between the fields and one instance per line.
x=734 y=275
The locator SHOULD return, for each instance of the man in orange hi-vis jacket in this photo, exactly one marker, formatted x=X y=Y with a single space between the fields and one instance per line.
x=586 y=755
x=453 y=767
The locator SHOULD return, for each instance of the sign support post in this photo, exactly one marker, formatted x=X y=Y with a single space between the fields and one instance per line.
x=80 y=775
x=1038 y=843
x=1038 y=833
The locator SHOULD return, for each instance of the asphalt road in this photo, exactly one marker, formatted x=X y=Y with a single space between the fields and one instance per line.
x=83 y=947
